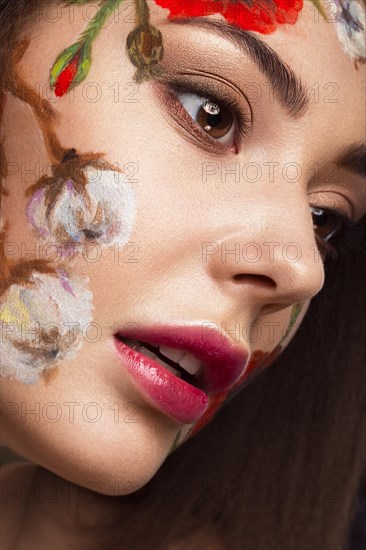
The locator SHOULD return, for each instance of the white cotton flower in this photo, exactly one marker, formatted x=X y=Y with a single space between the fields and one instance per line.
x=66 y=217
x=112 y=205
x=350 y=27
x=41 y=322
x=102 y=211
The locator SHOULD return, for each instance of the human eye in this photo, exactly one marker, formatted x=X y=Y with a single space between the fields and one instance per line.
x=335 y=232
x=214 y=119
x=327 y=223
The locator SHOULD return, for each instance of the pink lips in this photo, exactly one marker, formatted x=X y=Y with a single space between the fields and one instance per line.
x=223 y=363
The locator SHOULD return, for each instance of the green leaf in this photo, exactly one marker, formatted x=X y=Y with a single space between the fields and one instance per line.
x=84 y=65
x=80 y=65
x=319 y=7
x=296 y=310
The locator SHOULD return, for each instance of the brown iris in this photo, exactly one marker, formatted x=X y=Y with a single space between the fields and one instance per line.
x=216 y=120
x=326 y=223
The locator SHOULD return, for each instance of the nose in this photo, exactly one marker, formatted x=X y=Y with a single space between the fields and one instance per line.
x=271 y=261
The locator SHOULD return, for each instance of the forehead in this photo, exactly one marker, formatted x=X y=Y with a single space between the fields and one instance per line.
x=335 y=82
x=310 y=47
x=313 y=47
x=310 y=37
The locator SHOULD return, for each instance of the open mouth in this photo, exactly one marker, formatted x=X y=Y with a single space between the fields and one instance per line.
x=177 y=368
x=179 y=362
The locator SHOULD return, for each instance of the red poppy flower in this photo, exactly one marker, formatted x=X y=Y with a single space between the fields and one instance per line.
x=252 y=15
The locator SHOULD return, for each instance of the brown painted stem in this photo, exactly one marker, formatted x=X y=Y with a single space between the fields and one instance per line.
x=42 y=108
x=4 y=263
x=142 y=12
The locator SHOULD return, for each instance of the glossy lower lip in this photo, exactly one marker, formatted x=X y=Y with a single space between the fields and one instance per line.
x=164 y=391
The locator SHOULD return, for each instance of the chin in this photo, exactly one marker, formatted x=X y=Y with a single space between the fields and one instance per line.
x=117 y=484
x=109 y=467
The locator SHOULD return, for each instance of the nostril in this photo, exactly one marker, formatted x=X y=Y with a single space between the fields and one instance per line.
x=262 y=280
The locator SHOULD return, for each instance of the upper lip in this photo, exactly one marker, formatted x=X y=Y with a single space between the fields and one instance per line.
x=223 y=361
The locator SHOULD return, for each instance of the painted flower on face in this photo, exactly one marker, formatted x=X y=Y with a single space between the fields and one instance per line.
x=144 y=43
x=350 y=26
x=42 y=317
x=70 y=68
x=145 y=50
x=263 y=16
x=73 y=64
x=84 y=200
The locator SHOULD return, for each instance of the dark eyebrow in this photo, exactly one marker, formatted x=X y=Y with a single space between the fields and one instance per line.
x=354 y=159
x=286 y=85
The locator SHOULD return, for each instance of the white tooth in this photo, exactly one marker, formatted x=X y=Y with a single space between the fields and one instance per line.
x=148 y=353
x=168 y=367
x=152 y=355
x=190 y=364
x=171 y=353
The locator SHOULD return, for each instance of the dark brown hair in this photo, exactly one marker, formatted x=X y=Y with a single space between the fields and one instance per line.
x=280 y=466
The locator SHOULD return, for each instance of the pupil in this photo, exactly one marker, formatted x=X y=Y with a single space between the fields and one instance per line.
x=324 y=223
x=321 y=218
x=215 y=120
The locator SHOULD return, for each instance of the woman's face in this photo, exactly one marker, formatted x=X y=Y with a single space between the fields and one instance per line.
x=216 y=180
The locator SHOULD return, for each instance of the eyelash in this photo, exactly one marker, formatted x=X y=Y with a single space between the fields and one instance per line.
x=350 y=234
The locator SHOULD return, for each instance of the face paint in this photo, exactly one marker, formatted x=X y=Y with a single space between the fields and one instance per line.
x=3 y=169
x=84 y=200
x=266 y=17
x=42 y=318
x=144 y=44
x=263 y=17
x=144 y=48
x=350 y=23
